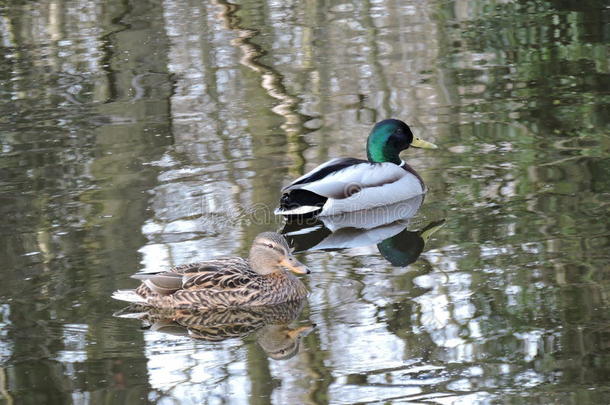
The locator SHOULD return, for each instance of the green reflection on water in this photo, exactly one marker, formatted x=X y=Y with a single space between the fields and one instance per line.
x=138 y=135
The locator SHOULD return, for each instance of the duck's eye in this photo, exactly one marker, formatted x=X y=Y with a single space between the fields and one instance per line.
x=269 y=245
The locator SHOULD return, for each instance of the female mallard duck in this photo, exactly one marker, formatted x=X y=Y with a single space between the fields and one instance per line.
x=225 y=282
x=348 y=184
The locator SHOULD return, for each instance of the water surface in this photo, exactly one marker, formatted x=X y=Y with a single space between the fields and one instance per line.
x=140 y=135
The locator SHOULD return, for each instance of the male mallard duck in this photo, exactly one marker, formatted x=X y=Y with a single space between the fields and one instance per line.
x=226 y=282
x=348 y=184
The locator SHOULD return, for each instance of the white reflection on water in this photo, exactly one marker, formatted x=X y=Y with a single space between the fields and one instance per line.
x=75 y=343
x=6 y=348
x=194 y=371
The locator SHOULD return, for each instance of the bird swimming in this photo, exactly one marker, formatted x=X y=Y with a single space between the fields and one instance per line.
x=349 y=184
x=264 y=278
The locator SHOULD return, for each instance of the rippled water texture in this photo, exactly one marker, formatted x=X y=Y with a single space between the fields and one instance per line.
x=136 y=135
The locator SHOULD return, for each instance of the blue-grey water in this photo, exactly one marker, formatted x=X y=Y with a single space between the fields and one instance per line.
x=139 y=135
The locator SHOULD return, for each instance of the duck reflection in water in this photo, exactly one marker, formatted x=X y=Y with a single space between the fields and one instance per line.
x=384 y=226
x=270 y=325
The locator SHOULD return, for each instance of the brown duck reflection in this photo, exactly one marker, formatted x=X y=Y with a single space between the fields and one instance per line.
x=385 y=227
x=269 y=324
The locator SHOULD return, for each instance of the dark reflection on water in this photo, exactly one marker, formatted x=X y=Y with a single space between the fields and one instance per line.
x=385 y=226
x=139 y=135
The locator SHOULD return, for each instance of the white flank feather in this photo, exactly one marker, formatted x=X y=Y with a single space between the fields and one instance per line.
x=354 y=178
x=403 y=189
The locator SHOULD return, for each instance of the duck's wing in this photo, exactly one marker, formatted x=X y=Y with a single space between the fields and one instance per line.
x=226 y=279
x=219 y=274
x=323 y=170
x=163 y=283
x=342 y=177
x=228 y=287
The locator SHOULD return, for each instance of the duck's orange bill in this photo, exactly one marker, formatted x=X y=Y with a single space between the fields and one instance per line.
x=295 y=266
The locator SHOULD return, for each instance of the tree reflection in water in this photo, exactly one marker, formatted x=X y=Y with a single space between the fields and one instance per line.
x=132 y=132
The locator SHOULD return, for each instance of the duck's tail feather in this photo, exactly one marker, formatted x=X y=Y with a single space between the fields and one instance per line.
x=305 y=210
x=300 y=202
x=128 y=296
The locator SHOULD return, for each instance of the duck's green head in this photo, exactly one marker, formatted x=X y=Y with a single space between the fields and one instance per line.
x=388 y=138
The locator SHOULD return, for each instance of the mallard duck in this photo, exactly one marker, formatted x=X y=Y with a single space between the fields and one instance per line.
x=348 y=184
x=262 y=279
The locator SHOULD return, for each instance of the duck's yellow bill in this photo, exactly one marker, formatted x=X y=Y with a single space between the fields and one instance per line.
x=294 y=265
x=420 y=143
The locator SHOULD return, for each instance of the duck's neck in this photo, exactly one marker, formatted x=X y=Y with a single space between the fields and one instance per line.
x=379 y=149
x=289 y=282
x=279 y=275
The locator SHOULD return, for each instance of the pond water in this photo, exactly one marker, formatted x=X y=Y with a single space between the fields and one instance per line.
x=139 y=135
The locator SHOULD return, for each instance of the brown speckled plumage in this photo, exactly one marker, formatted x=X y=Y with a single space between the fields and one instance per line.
x=224 y=283
x=229 y=282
